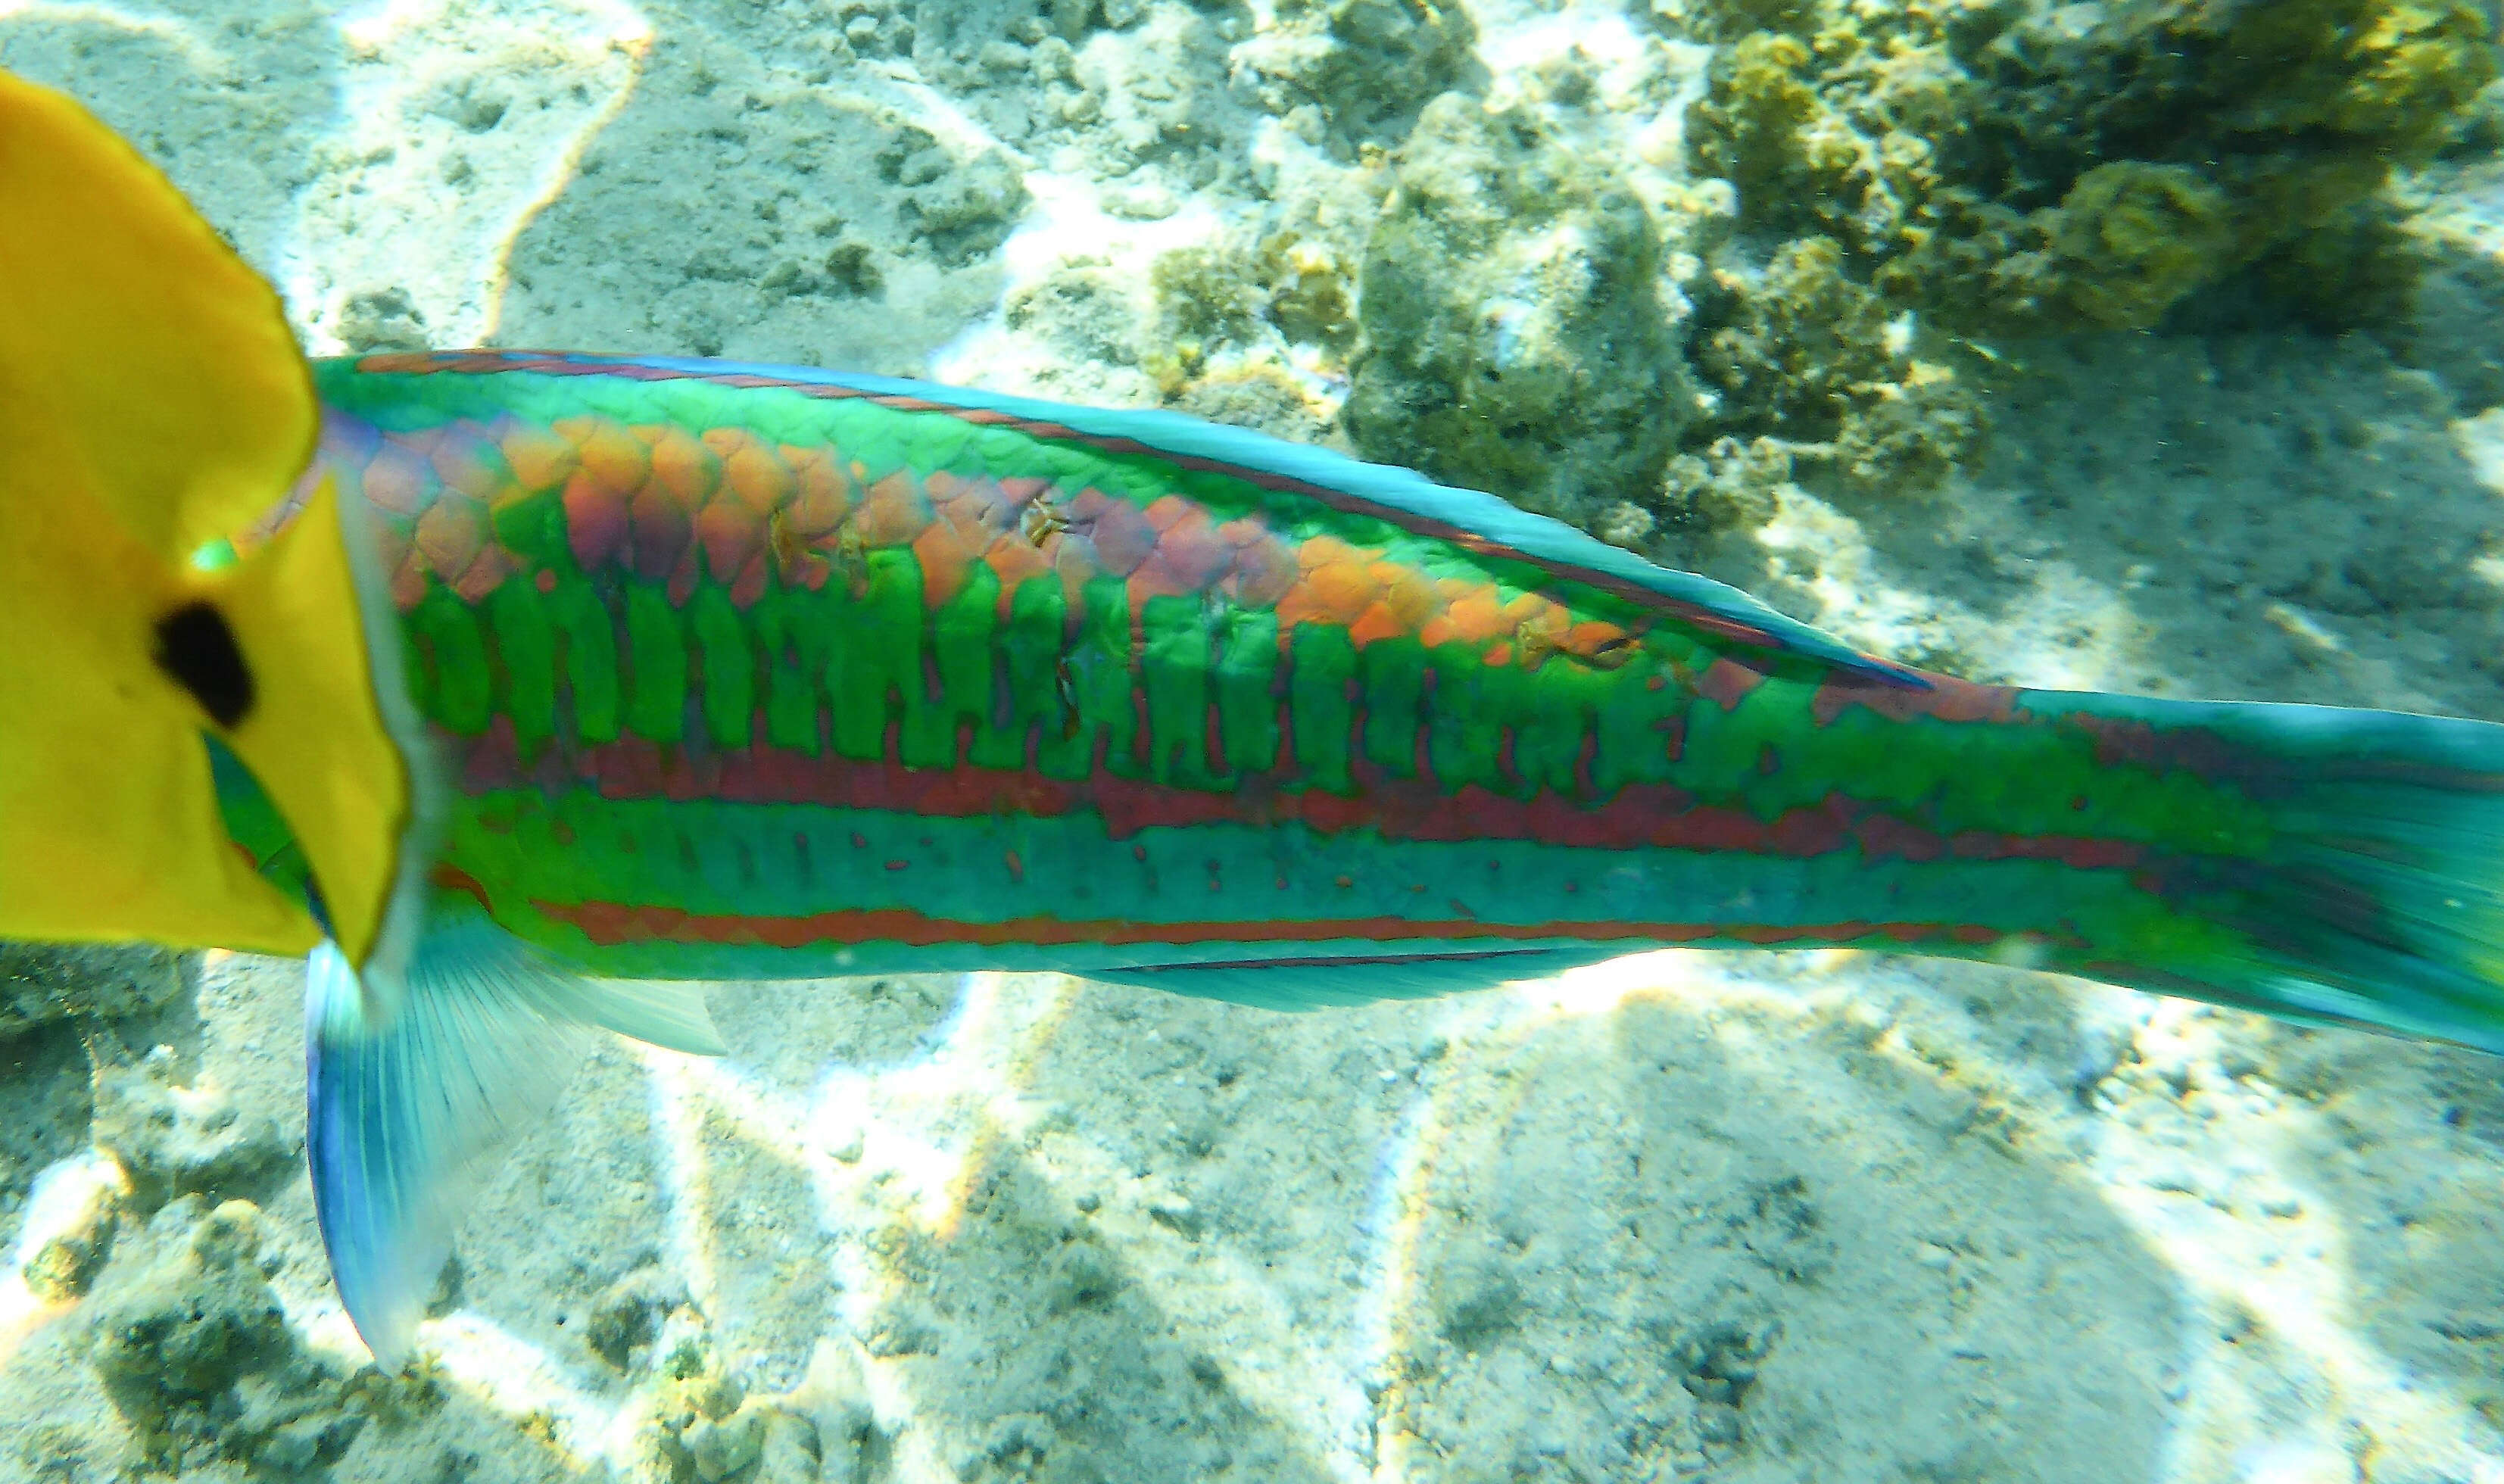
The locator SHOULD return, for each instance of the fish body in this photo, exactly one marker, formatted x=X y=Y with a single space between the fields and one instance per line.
x=752 y=672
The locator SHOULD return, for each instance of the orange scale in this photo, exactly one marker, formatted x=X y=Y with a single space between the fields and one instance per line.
x=945 y=556
x=1000 y=511
x=408 y=584
x=892 y=511
x=1090 y=503
x=1243 y=531
x=803 y=568
x=1499 y=655
x=450 y=534
x=1191 y=549
x=1534 y=612
x=1336 y=594
x=610 y=453
x=1411 y=596
x=595 y=520
x=751 y=470
x=1167 y=511
x=1379 y=620
x=1024 y=489
x=1014 y=559
x=751 y=584
x=1328 y=550
x=658 y=528
x=1073 y=557
x=684 y=468
x=485 y=575
x=1591 y=636
x=466 y=459
x=541 y=458
x=730 y=535
x=1122 y=536
x=393 y=543
x=1475 y=616
x=1263 y=574
x=895 y=511
x=823 y=495
x=396 y=479
x=1439 y=630
x=979 y=520
x=1153 y=578
x=683 y=576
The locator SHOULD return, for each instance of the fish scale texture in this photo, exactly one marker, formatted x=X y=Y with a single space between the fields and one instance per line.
x=754 y=674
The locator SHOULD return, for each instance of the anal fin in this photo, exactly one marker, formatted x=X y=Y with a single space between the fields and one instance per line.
x=1341 y=975
x=415 y=1082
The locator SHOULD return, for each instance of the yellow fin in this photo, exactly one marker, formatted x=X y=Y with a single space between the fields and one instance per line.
x=152 y=399
x=163 y=359
x=314 y=736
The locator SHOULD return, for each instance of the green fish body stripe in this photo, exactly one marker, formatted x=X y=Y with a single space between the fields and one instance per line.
x=753 y=671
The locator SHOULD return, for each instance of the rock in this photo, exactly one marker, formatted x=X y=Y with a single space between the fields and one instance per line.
x=173 y=1140
x=1516 y=339
x=627 y=1316
x=65 y=1267
x=180 y=1333
x=43 y=982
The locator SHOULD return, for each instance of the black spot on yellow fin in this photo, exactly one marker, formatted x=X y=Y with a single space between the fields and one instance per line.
x=195 y=646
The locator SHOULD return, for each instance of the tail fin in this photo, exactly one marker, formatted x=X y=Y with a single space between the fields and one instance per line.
x=2373 y=895
x=416 y=1082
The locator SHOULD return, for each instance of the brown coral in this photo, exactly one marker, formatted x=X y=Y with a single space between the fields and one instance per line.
x=2044 y=167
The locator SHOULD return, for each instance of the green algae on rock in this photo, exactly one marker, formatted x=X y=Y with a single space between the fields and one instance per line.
x=2043 y=167
x=1514 y=334
x=1811 y=364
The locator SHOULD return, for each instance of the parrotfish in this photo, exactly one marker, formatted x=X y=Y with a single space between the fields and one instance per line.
x=674 y=669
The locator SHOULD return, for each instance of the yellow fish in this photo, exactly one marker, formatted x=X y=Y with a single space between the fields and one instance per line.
x=153 y=402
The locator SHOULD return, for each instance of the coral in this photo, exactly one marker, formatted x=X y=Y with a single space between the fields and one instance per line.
x=195 y=1353
x=1368 y=64
x=627 y=1316
x=709 y=1428
x=1203 y=294
x=1812 y=364
x=1312 y=297
x=1729 y=486
x=2135 y=238
x=40 y=983
x=1514 y=334
x=2031 y=166
x=173 y=1140
x=65 y=1266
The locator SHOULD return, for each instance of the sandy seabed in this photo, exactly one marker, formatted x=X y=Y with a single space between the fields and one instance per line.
x=1813 y=1217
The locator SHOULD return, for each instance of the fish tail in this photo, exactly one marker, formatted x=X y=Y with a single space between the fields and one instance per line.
x=417 y=1079
x=2325 y=866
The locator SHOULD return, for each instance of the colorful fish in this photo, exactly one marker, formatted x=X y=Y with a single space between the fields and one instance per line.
x=672 y=670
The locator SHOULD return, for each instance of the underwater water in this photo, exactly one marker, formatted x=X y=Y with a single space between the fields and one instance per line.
x=2147 y=346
